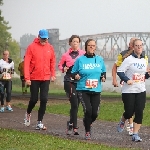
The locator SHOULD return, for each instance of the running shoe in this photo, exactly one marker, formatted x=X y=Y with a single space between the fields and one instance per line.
x=75 y=131
x=131 y=131
x=2 y=109
x=127 y=125
x=27 y=119
x=87 y=136
x=69 y=128
x=136 y=138
x=9 y=108
x=120 y=126
x=40 y=126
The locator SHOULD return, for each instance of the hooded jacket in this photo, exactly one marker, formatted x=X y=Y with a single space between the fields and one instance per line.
x=39 y=62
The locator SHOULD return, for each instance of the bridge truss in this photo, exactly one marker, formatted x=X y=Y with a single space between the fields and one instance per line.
x=109 y=45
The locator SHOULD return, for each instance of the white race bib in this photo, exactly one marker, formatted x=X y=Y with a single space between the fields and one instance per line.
x=91 y=83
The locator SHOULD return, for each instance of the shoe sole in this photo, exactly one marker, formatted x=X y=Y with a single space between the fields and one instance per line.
x=9 y=110
x=136 y=140
x=40 y=128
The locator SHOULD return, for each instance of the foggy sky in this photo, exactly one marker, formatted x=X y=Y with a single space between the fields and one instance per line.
x=82 y=17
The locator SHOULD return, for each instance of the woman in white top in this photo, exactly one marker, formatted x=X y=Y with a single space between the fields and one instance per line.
x=6 y=71
x=133 y=71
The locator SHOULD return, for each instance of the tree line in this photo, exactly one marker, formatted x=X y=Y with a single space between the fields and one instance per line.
x=8 y=43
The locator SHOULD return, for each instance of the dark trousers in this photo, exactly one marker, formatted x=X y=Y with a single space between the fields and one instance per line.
x=91 y=104
x=7 y=86
x=134 y=104
x=70 y=89
x=43 y=86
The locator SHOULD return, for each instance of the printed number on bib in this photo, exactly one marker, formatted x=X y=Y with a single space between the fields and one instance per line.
x=138 y=77
x=91 y=83
x=6 y=76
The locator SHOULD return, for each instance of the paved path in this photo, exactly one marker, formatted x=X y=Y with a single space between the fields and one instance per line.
x=102 y=132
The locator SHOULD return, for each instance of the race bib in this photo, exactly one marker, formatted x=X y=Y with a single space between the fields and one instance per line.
x=91 y=83
x=6 y=76
x=138 y=77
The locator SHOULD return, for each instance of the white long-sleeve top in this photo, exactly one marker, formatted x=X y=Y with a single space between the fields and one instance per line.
x=134 y=69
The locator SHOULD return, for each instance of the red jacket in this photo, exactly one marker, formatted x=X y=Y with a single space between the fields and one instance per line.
x=39 y=62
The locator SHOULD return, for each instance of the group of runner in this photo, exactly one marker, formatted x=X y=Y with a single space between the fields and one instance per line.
x=84 y=72
x=88 y=71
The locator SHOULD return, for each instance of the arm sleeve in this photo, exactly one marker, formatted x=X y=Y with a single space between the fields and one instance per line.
x=146 y=75
x=53 y=63
x=122 y=69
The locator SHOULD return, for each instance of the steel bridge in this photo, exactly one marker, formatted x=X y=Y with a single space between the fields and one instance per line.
x=109 y=45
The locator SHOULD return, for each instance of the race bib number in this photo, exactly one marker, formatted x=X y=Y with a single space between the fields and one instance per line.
x=138 y=77
x=6 y=76
x=91 y=83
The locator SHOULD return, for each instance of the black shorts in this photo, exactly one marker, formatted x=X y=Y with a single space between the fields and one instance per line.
x=22 y=78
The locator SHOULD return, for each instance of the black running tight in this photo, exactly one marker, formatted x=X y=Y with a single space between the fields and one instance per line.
x=70 y=89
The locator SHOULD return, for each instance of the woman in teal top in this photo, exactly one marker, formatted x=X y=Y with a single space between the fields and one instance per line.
x=89 y=70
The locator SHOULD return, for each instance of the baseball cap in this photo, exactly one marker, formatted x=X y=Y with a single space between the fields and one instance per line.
x=43 y=34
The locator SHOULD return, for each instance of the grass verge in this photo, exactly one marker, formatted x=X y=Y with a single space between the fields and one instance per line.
x=19 y=140
x=109 y=111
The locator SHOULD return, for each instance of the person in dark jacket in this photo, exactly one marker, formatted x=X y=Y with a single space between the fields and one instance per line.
x=65 y=65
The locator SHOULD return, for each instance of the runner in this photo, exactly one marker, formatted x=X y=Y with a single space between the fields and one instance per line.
x=6 y=72
x=124 y=54
x=21 y=70
x=39 y=69
x=89 y=70
x=133 y=72
x=65 y=65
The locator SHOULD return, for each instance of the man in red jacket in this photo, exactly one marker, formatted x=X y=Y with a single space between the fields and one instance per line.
x=39 y=69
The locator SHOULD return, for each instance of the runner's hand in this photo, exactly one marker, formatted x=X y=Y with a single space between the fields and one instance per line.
x=115 y=83
x=103 y=79
x=129 y=82
x=28 y=82
x=65 y=69
x=53 y=78
x=77 y=77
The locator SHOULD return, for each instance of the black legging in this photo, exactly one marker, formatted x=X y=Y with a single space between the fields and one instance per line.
x=91 y=104
x=8 y=86
x=70 y=89
x=134 y=104
x=34 y=89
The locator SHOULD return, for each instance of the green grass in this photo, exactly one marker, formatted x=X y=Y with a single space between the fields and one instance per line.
x=109 y=111
x=19 y=140
x=59 y=91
